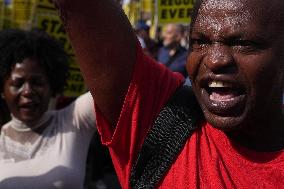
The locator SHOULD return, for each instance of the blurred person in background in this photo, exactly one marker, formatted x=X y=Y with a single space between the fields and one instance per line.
x=142 y=31
x=172 y=54
x=40 y=148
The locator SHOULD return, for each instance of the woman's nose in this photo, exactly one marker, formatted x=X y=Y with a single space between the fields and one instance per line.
x=219 y=59
x=27 y=89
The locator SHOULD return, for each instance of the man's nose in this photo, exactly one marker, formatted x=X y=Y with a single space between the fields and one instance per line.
x=219 y=59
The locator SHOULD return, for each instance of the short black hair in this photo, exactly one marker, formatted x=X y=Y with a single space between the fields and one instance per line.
x=17 y=45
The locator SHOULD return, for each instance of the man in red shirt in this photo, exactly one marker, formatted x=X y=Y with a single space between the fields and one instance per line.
x=236 y=65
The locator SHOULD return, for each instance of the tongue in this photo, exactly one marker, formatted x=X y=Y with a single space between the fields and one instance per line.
x=223 y=95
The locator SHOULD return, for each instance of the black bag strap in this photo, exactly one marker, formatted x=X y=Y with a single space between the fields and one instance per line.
x=174 y=124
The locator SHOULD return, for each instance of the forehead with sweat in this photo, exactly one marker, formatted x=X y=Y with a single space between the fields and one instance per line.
x=235 y=12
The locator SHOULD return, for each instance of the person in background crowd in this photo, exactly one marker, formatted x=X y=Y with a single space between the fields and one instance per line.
x=172 y=54
x=142 y=31
x=236 y=65
x=40 y=148
x=143 y=45
x=185 y=37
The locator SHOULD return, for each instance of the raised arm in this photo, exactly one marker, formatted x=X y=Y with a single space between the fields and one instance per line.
x=105 y=47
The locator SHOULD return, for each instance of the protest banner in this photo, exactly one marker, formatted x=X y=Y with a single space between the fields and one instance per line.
x=75 y=83
x=147 y=6
x=22 y=13
x=51 y=24
x=174 y=11
x=47 y=19
x=45 y=4
x=132 y=11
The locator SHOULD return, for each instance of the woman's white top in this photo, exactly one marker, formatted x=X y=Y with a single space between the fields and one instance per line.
x=57 y=157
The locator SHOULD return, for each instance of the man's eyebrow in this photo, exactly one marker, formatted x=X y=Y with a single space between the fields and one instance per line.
x=239 y=35
x=198 y=34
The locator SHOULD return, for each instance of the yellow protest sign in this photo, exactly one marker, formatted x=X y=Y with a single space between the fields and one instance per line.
x=48 y=4
x=174 y=11
x=7 y=17
x=147 y=5
x=47 y=19
x=75 y=83
x=53 y=26
x=23 y=13
x=132 y=10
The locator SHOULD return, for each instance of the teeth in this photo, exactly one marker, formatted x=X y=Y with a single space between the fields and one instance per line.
x=219 y=84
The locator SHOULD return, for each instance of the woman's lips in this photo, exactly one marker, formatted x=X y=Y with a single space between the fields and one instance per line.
x=29 y=108
x=223 y=98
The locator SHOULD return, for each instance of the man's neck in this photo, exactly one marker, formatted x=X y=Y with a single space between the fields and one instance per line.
x=263 y=136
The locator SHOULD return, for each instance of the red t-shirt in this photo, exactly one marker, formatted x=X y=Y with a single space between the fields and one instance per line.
x=208 y=160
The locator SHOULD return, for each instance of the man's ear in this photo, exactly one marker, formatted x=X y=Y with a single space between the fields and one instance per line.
x=2 y=96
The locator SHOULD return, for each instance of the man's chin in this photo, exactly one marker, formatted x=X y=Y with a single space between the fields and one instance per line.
x=225 y=123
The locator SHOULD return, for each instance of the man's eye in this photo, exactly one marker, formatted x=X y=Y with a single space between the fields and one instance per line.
x=198 y=44
x=245 y=46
